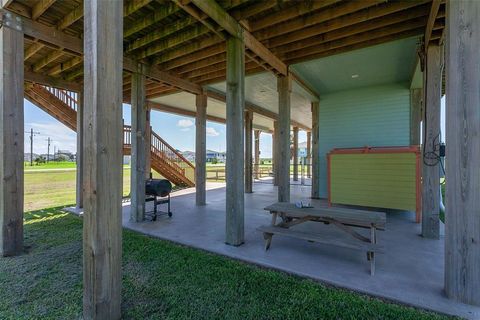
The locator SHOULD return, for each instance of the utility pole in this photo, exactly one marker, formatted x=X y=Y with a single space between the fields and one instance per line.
x=32 y=134
x=48 y=148
x=54 y=153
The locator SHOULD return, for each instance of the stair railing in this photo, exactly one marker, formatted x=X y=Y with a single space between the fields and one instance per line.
x=160 y=148
x=67 y=97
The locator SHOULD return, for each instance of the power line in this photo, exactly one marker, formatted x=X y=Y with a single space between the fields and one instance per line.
x=32 y=135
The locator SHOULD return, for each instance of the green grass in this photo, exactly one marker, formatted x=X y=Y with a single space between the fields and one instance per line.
x=162 y=280
x=46 y=189
x=51 y=165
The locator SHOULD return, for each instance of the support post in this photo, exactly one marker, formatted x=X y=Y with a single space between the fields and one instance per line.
x=11 y=139
x=257 y=153
x=309 y=154
x=201 y=149
x=315 y=151
x=79 y=157
x=139 y=146
x=275 y=153
x=248 y=152
x=431 y=161
x=284 y=87
x=295 y=153
x=148 y=145
x=416 y=100
x=102 y=224
x=235 y=146
x=462 y=221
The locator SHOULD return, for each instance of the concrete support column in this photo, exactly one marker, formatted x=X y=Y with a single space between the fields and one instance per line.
x=248 y=152
x=309 y=154
x=103 y=155
x=275 y=153
x=235 y=145
x=431 y=161
x=257 y=153
x=79 y=158
x=295 y=153
x=462 y=221
x=284 y=87
x=11 y=138
x=148 y=145
x=139 y=146
x=416 y=100
x=201 y=149
x=315 y=151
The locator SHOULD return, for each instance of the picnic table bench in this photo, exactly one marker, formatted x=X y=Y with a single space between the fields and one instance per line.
x=343 y=218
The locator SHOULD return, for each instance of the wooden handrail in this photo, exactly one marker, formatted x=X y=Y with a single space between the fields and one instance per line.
x=162 y=149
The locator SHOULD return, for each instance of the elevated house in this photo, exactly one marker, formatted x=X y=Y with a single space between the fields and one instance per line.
x=360 y=77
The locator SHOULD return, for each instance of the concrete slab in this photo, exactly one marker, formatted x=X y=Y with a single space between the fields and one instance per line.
x=410 y=272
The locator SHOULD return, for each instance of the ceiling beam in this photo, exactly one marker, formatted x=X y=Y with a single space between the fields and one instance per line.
x=227 y=22
x=179 y=111
x=33 y=77
x=59 y=39
x=313 y=94
x=431 y=21
x=219 y=96
x=40 y=7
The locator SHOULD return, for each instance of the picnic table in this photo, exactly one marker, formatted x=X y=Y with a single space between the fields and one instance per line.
x=345 y=219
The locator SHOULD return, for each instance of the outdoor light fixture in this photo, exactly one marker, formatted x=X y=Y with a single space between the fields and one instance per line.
x=354 y=76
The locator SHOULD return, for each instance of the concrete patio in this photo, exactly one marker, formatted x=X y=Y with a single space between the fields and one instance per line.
x=410 y=271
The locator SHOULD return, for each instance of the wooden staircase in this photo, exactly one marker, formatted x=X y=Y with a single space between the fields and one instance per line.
x=167 y=161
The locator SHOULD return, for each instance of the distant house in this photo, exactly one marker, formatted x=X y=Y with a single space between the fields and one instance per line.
x=214 y=156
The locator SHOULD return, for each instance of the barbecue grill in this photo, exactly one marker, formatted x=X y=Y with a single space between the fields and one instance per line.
x=158 y=192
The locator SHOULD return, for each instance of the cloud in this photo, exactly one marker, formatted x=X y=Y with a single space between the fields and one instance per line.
x=62 y=137
x=185 y=123
x=211 y=132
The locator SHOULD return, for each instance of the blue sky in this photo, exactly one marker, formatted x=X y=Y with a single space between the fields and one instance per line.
x=178 y=131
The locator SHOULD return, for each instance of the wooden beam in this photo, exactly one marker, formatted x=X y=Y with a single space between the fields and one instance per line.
x=462 y=220
x=65 y=66
x=72 y=17
x=11 y=140
x=248 y=152
x=315 y=151
x=305 y=85
x=40 y=7
x=275 y=152
x=235 y=145
x=284 y=87
x=220 y=16
x=32 y=49
x=431 y=161
x=46 y=60
x=176 y=82
x=51 y=81
x=139 y=146
x=201 y=149
x=151 y=19
x=313 y=19
x=46 y=34
x=431 y=20
x=296 y=10
x=80 y=147
x=102 y=220
x=169 y=109
x=74 y=44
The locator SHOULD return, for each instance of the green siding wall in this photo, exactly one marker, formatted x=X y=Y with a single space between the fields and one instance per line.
x=374 y=116
x=374 y=180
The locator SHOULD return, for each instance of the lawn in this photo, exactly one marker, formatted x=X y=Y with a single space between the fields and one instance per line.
x=162 y=280
x=51 y=165
x=53 y=188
